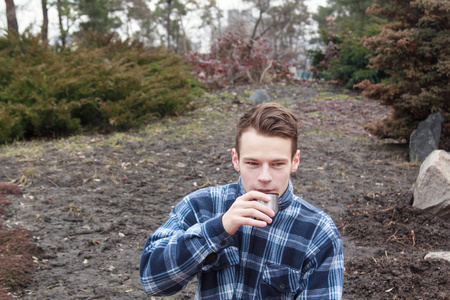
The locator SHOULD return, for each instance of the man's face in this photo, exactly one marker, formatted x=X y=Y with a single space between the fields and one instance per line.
x=265 y=163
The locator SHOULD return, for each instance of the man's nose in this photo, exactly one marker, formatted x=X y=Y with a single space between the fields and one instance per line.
x=264 y=175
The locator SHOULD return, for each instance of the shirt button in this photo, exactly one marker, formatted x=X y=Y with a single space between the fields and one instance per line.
x=223 y=243
x=282 y=286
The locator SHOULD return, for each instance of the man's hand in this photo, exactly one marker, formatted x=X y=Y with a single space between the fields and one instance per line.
x=245 y=211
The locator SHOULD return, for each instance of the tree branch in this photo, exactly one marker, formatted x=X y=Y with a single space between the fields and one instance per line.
x=265 y=70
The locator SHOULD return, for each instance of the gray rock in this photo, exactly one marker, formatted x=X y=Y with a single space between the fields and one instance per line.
x=438 y=255
x=432 y=188
x=425 y=139
x=260 y=96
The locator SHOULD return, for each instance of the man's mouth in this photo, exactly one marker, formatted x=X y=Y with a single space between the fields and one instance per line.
x=265 y=191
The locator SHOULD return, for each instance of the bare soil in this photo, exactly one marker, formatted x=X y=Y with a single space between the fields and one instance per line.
x=91 y=201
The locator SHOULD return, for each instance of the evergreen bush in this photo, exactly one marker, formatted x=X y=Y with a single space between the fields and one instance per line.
x=344 y=58
x=112 y=85
x=414 y=51
x=350 y=65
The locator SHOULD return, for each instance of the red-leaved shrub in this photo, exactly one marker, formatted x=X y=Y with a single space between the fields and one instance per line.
x=234 y=59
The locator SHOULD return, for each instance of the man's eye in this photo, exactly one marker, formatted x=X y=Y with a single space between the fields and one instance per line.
x=252 y=163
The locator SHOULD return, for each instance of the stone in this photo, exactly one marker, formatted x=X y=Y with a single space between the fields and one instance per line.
x=425 y=139
x=432 y=187
x=293 y=71
x=260 y=96
x=438 y=255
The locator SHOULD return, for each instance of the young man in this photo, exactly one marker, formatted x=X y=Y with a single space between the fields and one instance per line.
x=239 y=248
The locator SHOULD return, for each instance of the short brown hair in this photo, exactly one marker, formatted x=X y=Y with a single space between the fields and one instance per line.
x=269 y=119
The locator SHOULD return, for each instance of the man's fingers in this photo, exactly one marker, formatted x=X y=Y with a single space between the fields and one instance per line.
x=243 y=203
x=246 y=211
x=257 y=223
x=255 y=195
x=260 y=208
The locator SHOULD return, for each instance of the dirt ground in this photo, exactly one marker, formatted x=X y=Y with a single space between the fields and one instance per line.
x=90 y=201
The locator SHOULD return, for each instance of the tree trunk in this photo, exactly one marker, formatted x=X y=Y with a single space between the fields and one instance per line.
x=11 y=16
x=185 y=50
x=219 y=15
x=44 y=30
x=169 y=11
x=63 y=32
x=256 y=26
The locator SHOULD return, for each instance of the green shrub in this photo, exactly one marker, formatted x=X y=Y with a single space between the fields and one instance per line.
x=350 y=66
x=344 y=58
x=11 y=123
x=117 y=85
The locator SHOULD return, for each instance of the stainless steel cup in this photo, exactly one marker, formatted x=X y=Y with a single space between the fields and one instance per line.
x=273 y=204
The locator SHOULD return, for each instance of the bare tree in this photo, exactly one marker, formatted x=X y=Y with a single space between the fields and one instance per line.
x=282 y=22
x=11 y=16
x=262 y=6
x=66 y=19
x=169 y=14
x=211 y=15
x=62 y=8
x=137 y=11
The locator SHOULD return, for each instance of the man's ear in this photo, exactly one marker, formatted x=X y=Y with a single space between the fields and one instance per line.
x=295 y=161
x=235 y=159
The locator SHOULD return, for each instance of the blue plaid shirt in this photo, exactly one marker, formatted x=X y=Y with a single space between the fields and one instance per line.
x=298 y=256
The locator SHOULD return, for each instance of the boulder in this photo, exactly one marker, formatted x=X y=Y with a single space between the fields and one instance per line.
x=432 y=188
x=260 y=96
x=425 y=139
x=438 y=255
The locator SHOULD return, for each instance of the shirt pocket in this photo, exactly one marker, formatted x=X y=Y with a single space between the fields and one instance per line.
x=279 y=281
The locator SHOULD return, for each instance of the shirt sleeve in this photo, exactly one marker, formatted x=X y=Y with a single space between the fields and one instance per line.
x=323 y=274
x=176 y=252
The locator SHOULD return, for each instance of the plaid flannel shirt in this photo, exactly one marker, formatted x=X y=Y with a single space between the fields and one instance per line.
x=298 y=256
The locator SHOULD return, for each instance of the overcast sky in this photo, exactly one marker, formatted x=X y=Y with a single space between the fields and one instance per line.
x=29 y=12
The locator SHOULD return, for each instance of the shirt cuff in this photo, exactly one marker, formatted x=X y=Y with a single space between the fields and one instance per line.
x=216 y=236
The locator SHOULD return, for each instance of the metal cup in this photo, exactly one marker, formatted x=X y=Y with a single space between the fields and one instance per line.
x=273 y=204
